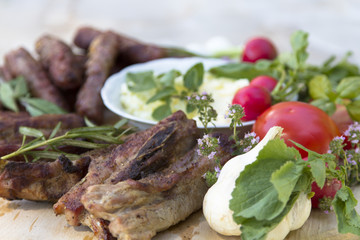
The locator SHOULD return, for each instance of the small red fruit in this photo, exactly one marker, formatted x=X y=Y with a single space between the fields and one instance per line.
x=258 y=48
x=329 y=191
x=264 y=81
x=254 y=99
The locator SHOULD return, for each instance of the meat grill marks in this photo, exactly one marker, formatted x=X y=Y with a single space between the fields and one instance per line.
x=20 y=63
x=139 y=209
x=142 y=154
x=40 y=181
x=58 y=59
x=101 y=59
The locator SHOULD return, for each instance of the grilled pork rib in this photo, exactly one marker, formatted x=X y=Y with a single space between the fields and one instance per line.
x=139 y=209
x=142 y=154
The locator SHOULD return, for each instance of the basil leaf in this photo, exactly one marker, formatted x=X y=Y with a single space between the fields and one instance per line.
x=353 y=109
x=325 y=104
x=240 y=70
x=7 y=97
x=38 y=106
x=168 y=79
x=161 y=112
x=349 y=87
x=319 y=87
x=140 y=81
x=193 y=78
x=162 y=94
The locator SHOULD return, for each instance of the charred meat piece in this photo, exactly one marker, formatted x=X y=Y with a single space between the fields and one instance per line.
x=20 y=63
x=60 y=62
x=139 y=209
x=102 y=57
x=40 y=181
x=11 y=122
x=142 y=154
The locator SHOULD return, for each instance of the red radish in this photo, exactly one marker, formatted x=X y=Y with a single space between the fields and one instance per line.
x=254 y=100
x=264 y=81
x=329 y=190
x=258 y=48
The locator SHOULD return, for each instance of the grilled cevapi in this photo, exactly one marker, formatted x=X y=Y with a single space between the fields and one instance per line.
x=20 y=63
x=62 y=64
x=101 y=59
x=142 y=154
x=138 y=209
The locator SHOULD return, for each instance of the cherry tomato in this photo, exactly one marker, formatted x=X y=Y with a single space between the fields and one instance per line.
x=329 y=190
x=301 y=122
x=264 y=81
x=254 y=100
x=258 y=48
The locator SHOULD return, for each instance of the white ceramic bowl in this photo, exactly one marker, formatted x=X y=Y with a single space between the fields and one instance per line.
x=111 y=96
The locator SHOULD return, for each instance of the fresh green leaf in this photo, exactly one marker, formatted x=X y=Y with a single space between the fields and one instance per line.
x=140 y=81
x=37 y=106
x=353 y=109
x=20 y=88
x=51 y=155
x=162 y=94
x=320 y=87
x=190 y=108
x=349 y=87
x=318 y=169
x=89 y=123
x=193 y=78
x=241 y=70
x=299 y=43
x=162 y=112
x=254 y=194
x=286 y=178
x=120 y=123
x=168 y=79
x=325 y=104
x=344 y=206
x=7 y=96
x=80 y=143
x=55 y=130
x=31 y=132
x=97 y=129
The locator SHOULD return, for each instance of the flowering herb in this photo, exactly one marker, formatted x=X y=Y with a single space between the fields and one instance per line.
x=235 y=112
x=207 y=147
x=202 y=102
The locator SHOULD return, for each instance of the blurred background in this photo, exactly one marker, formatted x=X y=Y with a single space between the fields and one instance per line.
x=333 y=25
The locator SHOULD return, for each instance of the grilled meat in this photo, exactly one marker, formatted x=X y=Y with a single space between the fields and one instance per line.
x=102 y=56
x=11 y=122
x=20 y=63
x=137 y=209
x=43 y=181
x=143 y=153
x=60 y=62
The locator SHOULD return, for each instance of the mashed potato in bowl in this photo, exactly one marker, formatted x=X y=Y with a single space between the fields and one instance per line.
x=132 y=105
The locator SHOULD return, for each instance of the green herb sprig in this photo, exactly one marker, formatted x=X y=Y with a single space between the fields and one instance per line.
x=84 y=137
x=16 y=92
x=164 y=86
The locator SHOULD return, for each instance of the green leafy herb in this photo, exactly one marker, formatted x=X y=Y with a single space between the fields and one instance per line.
x=85 y=137
x=193 y=78
x=38 y=106
x=140 y=81
x=162 y=112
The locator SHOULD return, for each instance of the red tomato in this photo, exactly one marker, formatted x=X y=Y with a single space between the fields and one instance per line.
x=254 y=100
x=264 y=81
x=329 y=190
x=258 y=48
x=302 y=123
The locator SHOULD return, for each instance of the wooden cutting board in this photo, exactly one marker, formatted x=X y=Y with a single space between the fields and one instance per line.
x=26 y=220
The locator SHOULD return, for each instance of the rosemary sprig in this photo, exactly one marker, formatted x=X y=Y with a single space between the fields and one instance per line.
x=85 y=137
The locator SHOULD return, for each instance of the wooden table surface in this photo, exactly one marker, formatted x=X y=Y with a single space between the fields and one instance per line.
x=25 y=220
